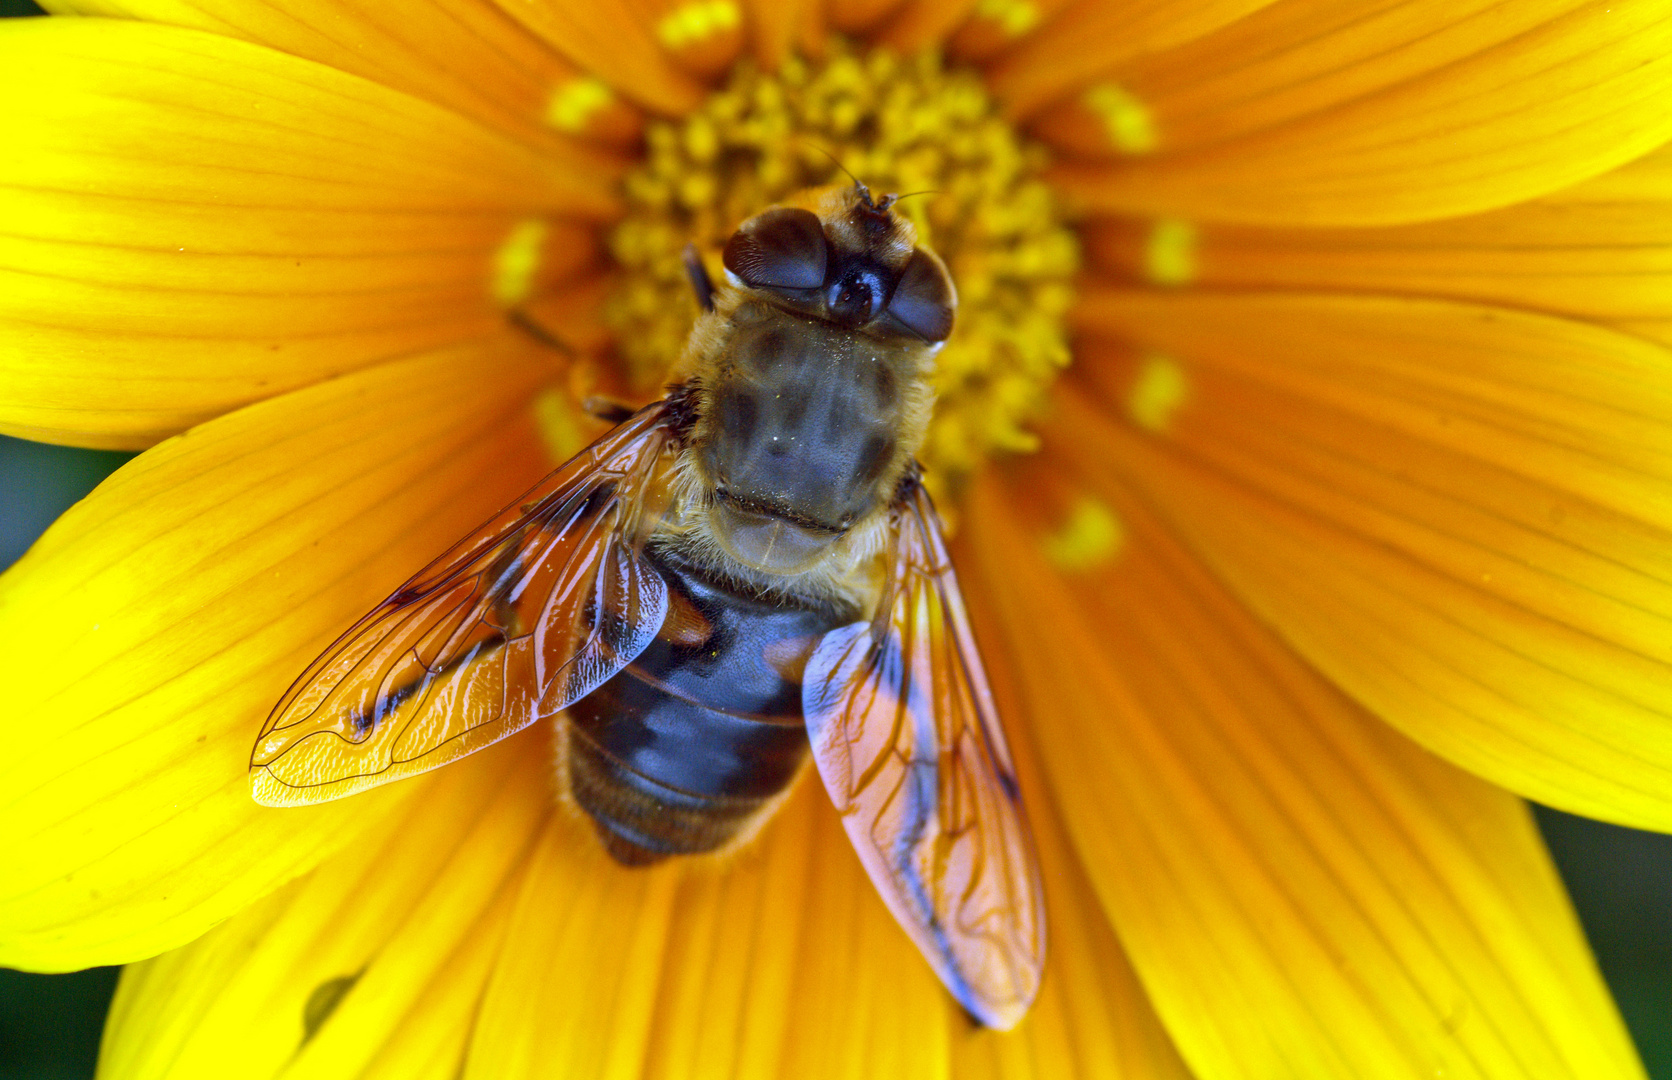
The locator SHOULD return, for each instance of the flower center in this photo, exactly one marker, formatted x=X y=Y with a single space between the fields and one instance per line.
x=902 y=126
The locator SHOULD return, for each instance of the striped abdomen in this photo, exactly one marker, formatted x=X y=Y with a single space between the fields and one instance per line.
x=681 y=750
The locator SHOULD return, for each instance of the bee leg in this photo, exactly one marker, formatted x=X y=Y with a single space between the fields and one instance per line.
x=698 y=273
x=607 y=409
x=524 y=322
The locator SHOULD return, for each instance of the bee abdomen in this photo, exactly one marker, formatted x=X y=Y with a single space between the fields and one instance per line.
x=643 y=821
x=679 y=752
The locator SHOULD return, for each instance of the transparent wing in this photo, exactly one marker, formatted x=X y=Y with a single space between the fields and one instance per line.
x=909 y=746
x=530 y=613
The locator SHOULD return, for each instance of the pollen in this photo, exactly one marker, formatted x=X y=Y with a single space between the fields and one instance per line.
x=1089 y=538
x=516 y=260
x=691 y=23
x=1125 y=118
x=904 y=125
x=1170 y=252
x=1157 y=392
x=576 y=102
x=1014 y=17
x=559 y=423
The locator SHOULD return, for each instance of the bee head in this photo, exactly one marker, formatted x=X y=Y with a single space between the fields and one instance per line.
x=853 y=263
x=818 y=393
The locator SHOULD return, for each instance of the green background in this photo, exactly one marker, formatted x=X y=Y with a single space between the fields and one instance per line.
x=1620 y=879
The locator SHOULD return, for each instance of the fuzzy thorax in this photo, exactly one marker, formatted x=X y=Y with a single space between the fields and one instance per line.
x=837 y=374
x=969 y=183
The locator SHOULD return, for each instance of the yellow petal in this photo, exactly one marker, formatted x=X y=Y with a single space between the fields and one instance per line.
x=610 y=39
x=192 y=223
x=468 y=56
x=148 y=633
x=1460 y=514
x=1092 y=1017
x=774 y=26
x=726 y=1004
x=1320 y=114
x=995 y=26
x=923 y=24
x=574 y=315
x=1601 y=250
x=856 y=16
x=573 y=988
x=702 y=36
x=343 y=973
x=775 y=961
x=1301 y=891
x=783 y=961
x=1089 y=37
x=812 y=31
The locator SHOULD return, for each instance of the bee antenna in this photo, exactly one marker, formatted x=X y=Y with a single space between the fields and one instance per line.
x=838 y=163
x=930 y=191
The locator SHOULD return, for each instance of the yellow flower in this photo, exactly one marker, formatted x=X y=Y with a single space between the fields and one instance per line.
x=1349 y=526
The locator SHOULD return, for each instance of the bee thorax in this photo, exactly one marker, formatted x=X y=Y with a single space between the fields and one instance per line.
x=806 y=423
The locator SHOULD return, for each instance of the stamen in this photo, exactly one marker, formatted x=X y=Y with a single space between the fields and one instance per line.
x=1170 y=253
x=559 y=423
x=516 y=260
x=1125 y=117
x=576 y=102
x=1014 y=17
x=900 y=125
x=1157 y=392
x=691 y=23
x=1089 y=538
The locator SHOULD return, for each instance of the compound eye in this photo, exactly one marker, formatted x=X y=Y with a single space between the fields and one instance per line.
x=780 y=249
x=924 y=300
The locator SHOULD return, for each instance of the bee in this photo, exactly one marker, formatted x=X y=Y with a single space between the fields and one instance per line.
x=738 y=577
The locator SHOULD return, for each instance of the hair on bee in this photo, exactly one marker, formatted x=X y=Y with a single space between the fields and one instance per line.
x=743 y=579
